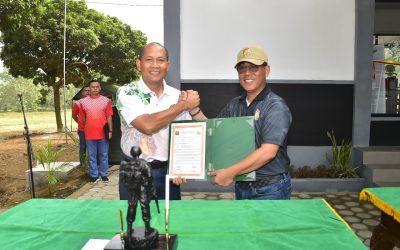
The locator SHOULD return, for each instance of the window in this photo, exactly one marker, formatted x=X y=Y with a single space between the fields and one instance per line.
x=386 y=69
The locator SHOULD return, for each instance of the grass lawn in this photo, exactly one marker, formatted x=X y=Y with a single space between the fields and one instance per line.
x=12 y=123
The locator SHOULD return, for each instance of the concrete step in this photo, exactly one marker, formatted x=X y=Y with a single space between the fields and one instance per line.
x=387 y=184
x=381 y=172
x=377 y=155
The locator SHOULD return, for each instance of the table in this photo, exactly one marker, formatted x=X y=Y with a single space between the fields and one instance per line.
x=386 y=235
x=200 y=224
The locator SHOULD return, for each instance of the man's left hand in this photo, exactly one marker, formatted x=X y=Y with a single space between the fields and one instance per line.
x=179 y=181
x=223 y=177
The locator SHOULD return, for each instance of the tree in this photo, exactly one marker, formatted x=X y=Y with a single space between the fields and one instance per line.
x=36 y=97
x=10 y=88
x=46 y=100
x=97 y=46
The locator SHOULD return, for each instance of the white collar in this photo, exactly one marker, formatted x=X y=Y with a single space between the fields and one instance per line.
x=167 y=89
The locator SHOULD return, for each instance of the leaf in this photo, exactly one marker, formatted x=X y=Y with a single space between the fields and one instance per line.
x=97 y=46
x=48 y=157
x=341 y=156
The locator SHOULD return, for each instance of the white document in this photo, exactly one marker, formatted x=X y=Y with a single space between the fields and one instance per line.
x=95 y=244
x=187 y=150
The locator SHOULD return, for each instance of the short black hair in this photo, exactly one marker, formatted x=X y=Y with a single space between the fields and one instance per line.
x=153 y=43
x=93 y=80
x=85 y=86
x=264 y=64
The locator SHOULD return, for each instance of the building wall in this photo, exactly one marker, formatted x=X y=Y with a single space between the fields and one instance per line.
x=315 y=108
x=317 y=105
x=385 y=132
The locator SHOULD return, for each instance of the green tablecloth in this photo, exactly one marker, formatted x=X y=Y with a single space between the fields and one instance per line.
x=69 y=224
x=386 y=199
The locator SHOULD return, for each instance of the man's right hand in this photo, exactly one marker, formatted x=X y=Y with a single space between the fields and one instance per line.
x=192 y=99
x=183 y=96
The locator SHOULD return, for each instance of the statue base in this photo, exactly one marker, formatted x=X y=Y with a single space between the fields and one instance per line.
x=154 y=241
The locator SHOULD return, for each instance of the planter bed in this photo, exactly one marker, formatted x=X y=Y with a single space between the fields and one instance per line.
x=328 y=184
x=298 y=185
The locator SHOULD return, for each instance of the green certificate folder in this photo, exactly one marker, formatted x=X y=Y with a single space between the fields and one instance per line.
x=227 y=141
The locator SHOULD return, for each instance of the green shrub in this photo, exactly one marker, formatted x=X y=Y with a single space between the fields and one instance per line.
x=48 y=157
x=309 y=172
x=341 y=156
x=85 y=166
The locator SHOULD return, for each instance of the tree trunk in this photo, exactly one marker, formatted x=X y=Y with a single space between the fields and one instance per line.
x=56 y=91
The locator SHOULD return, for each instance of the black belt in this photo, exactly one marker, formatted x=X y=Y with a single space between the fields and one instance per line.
x=263 y=181
x=157 y=164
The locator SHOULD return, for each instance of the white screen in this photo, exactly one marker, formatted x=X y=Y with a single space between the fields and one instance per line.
x=304 y=39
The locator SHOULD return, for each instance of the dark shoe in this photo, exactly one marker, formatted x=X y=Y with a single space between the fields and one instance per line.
x=105 y=179
x=93 y=179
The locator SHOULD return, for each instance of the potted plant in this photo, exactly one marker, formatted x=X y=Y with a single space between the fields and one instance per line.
x=341 y=158
x=391 y=80
x=48 y=158
x=340 y=176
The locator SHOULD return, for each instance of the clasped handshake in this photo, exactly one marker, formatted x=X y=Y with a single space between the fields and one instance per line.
x=191 y=100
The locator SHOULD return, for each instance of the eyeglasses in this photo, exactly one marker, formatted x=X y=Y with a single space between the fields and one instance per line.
x=241 y=69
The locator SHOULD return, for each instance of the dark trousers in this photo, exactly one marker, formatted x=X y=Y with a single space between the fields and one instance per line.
x=82 y=146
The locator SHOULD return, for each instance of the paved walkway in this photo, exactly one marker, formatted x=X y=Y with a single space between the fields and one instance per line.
x=360 y=215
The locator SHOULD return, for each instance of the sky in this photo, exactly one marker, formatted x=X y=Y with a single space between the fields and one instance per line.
x=144 y=15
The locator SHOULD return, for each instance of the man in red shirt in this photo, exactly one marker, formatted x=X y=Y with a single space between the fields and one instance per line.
x=77 y=116
x=97 y=113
